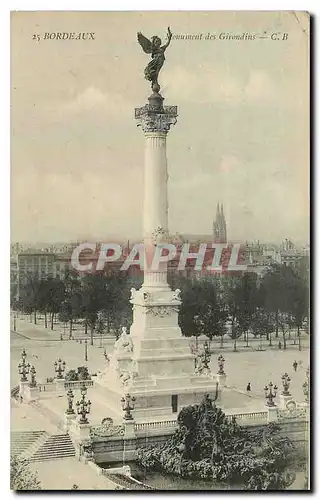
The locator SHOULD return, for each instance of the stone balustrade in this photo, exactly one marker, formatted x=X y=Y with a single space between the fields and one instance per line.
x=155 y=425
x=47 y=387
x=73 y=385
x=252 y=416
x=77 y=384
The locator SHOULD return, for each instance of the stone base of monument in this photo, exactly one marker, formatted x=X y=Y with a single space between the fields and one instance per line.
x=154 y=364
x=284 y=399
x=159 y=396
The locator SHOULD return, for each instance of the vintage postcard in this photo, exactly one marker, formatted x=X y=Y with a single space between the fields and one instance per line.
x=160 y=251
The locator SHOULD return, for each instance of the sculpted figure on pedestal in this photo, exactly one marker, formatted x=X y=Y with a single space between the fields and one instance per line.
x=124 y=342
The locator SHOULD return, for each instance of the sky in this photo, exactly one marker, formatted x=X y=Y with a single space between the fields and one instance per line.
x=242 y=136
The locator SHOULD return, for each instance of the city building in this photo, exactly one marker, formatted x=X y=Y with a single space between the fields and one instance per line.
x=38 y=265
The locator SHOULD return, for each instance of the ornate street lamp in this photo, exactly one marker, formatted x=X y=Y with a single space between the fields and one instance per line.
x=86 y=350
x=23 y=355
x=128 y=403
x=306 y=386
x=221 y=361
x=70 y=397
x=286 y=384
x=206 y=356
x=23 y=367
x=33 y=372
x=59 y=367
x=83 y=406
x=270 y=393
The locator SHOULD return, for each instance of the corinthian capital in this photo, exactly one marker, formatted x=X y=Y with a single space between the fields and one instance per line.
x=151 y=119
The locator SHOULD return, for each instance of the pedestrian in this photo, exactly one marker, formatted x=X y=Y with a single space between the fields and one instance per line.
x=280 y=345
x=295 y=365
x=249 y=387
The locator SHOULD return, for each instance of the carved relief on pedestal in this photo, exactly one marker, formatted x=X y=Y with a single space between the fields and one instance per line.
x=162 y=311
x=292 y=411
x=147 y=296
x=176 y=295
x=106 y=430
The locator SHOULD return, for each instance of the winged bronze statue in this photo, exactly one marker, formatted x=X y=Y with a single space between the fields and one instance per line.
x=157 y=51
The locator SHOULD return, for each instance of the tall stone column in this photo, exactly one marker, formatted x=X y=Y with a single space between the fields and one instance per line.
x=155 y=121
x=159 y=373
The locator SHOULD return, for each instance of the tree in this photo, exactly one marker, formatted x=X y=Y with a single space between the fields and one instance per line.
x=118 y=309
x=190 y=309
x=242 y=302
x=21 y=478
x=82 y=373
x=261 y=324
x=286 y=298
x=51 y=296
x=73 y=300
x=56 y=293
x=30 y=296
x=300 y=304
x=94 y=299
x=212 y=316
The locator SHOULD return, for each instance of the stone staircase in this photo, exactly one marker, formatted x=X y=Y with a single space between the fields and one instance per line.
x=25 y=443
x=56 y=446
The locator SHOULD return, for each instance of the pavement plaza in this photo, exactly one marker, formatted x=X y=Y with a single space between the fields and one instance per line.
x=248 y=364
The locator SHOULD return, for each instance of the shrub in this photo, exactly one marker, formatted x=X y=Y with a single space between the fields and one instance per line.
x=207 y=446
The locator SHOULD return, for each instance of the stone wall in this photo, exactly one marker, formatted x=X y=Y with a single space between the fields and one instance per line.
x=118 y=448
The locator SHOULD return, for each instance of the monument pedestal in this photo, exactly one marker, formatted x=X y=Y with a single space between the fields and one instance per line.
x=69 y=418
x=23 y=390
x=129 y=432
x=284 y=399
x=80 y=431
x=272 y=413
x=162 y=375
x=60 y=384
x=221 y=378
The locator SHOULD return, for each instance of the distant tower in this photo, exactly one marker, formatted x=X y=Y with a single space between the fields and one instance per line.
x=220 y=226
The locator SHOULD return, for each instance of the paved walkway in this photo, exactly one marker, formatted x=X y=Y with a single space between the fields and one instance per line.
x=28 y=329
x=257 y=367
x=62 y=474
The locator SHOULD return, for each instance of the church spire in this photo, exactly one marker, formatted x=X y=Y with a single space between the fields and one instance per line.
x=219 y=225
